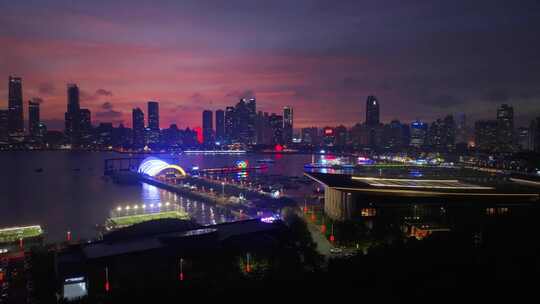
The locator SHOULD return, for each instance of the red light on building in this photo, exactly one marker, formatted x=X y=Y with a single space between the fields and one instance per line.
x=323 y=228
x=198 y=130
x=181 y=276
x=68 y=236
x=313 y=217
x=328 y=131
x=332 y=238
x=107 y=286
x=278 y=148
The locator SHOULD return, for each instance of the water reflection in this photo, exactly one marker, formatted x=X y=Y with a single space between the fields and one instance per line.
x=203 y=213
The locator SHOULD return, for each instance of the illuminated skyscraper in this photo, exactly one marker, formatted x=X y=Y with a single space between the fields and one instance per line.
x=72 y=116
x=418 y=134
x=138 y=128
x=287 y=124
x=33 y=118
x=220 y=125
x=372 y=111
x=15 y=104
x=485 y=133
x=505 y=128
x=208 y=127
x=153 y=115
x=229 y=124
x=276 y=125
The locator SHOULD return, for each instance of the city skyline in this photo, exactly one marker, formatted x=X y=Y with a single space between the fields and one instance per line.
x=421 y=61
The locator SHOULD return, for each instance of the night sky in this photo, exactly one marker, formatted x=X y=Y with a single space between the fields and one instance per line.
x=423 y=59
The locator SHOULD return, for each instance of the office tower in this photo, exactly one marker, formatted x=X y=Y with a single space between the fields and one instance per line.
x=138 y=128
x=461 y=128
x=252 y=118
x=72 y=116
x=153 y=115
x=485 y=135
x=276 y=125
x=15 y=104
x=372 y=111
x=534 y=135
x=4 y=118
x=340 y=136
x=152 y=132
x=220 y=126
x=523 y=139
x=287 y=124
x=442 y=134
x=310 y=136
x=33 y=118
x=505 y=128
x=418 y=131
x=208 y=127
x=393 y=135
x=85 y=126
x=229 y=124
x=328 y=136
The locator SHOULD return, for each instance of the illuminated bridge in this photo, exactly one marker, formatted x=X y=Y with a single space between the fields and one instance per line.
x=346 y=195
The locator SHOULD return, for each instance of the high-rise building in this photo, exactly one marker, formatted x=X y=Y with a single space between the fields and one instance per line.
x=418 y=131
x=72 y=116
x=287 y=124
x=393 y=137
x=505 y=128
x=153 y=115
x=33 y=118
x=340 y=136
x=138 y=128
x=276 y=125
x=208 y=127
x=85 y=126
x=485 y=135
x=461 y=128
x=310 y=136
x=152 y=132
x=220 y=126
x=442 y=134
x=523 y=139
x=229 y=124
x=372 y=111
x=4 y=118
x=534 y=135
x=15 y=104
x=251 y=134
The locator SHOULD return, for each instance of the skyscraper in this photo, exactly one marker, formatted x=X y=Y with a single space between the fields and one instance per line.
x=372 y=111
x=505 y=128
x=220 y=125
x=208 y=127
x=534 y=135
x=418 y=133
x=287 y=124
x=152 y=132
x=4 y=114
x=85 y=126
x=138 y=128
x=33 y=118
x=229 y=124
x=153 y=115
x=276 y=125
x=485 y=135
x=251 y=123
x=72 y=116
x=15 y=104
